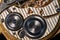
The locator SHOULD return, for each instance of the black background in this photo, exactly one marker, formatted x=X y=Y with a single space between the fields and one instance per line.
x=57 y=37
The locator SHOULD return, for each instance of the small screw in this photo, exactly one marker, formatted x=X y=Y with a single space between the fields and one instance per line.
x=14 y=33
x=21 y=34
x=2 y=20
x=14 y=8
x=56 y=6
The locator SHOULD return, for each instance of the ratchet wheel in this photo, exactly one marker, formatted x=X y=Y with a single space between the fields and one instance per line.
x=29 y=19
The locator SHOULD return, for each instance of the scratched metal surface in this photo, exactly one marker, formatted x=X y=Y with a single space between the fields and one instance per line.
x=48 y=10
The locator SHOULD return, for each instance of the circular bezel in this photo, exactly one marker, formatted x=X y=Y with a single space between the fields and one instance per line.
x=16 y=19
x=42 y=27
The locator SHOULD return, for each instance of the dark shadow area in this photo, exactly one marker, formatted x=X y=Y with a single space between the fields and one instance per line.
x=57 y=37
x=2 y=37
